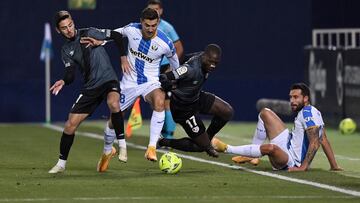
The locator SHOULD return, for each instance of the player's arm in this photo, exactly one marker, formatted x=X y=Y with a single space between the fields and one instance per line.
x=314 y=144
x=69 y=74
x=169 y=78
x=97 y=37
x=325 y=144
x=179 y=48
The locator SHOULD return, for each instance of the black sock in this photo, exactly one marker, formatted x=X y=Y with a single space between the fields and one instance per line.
x=117 y=121
x=215 y=126
x=184 y=144
x=65 y=145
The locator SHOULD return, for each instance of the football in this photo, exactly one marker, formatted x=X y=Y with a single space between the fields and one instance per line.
x=170 y=163
x=347 y=126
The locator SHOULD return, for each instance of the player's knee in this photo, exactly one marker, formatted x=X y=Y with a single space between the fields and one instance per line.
x=268 y=149
x=159 y=105
x=228 y=112
x=70 y=127
x=265 y=113
x=114 y=106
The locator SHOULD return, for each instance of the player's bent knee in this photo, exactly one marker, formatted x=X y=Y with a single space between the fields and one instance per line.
x=228 y=112
x=268 y=149
x=114 y=106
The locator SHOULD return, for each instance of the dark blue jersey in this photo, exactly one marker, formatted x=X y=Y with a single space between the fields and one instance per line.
x=189 y=80
x=93 y=62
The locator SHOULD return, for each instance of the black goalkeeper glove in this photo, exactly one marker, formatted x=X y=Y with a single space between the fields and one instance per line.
x=166 y=84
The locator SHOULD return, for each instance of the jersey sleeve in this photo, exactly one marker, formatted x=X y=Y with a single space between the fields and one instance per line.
x=181 y=72
x=125 y=30
x=312 y=117
x=101 y=34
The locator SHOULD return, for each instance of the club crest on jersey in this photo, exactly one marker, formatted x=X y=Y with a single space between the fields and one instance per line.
x=181 y=70
x=141 y=55
x=195 y=129
x=154 y=47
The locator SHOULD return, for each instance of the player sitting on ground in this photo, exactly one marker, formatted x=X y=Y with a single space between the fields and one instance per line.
x=293 y=151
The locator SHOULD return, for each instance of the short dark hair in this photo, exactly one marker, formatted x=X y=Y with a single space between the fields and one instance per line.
x=305 y=90
x=213 y=49
x=149 y=13
x=155 y=2
x=59 y=16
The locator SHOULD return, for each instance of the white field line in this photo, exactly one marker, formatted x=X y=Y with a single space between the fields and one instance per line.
x=207 y=197
x=264 y=173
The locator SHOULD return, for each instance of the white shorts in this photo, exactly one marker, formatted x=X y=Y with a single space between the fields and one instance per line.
x=129 y=95
x=282 y=141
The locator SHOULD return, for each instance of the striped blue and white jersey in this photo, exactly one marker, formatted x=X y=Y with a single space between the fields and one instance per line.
x=308 y=117
x=170 y=31
x=144 y=55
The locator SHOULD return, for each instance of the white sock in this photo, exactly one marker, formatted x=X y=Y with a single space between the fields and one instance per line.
x=251 y=150
x=61 y=163
x=109 y=137
x=156 y=125
x=260 y=132
x=122 y=143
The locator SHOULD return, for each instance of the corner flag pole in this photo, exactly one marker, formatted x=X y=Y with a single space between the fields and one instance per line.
x=46 y=56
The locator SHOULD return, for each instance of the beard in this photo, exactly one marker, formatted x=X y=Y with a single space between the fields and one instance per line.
x=297 y=107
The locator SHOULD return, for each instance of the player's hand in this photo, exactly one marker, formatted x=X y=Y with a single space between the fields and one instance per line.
x=166 y=84
x=294 y=169
x=57 y=87
x=89 y=41
x=125 y=65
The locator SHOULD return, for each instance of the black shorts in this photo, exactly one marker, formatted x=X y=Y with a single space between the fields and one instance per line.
x=187 y=114
x=89 y=100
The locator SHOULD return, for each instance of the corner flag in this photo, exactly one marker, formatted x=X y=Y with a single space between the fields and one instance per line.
x=46 y=55
x=46 y=44
x=135 y=119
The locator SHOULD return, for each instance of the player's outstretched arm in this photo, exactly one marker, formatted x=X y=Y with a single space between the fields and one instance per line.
x=325 y=144
x=57 y=86
x=314 y=144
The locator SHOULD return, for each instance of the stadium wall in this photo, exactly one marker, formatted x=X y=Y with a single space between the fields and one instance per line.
x=262 y=45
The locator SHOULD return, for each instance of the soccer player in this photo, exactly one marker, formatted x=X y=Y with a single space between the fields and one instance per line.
x=188 y=100
x=293 y=150
x=169 y=30
x=147 y=45
x=100 y=82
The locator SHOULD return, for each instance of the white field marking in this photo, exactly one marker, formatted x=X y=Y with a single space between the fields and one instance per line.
x=263 y=173
x=206 y=197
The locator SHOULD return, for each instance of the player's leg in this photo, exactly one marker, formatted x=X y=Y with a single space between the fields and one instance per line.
x=67 y=140
x=117 y=121
x=156 y=100
x=269 y=126
x=195 y=128
x=169 y=123
x=220 y=109
x=127 y=98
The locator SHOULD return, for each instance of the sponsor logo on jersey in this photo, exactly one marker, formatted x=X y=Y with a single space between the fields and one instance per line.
x=181 y=70
x=141 y=55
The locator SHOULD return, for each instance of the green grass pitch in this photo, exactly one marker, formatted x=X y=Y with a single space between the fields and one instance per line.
x=28 y=151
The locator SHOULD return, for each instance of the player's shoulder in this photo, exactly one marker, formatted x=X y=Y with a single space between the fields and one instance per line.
x=162 y=37
x=165 y=25
x=309 y=111
x=133 y=26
